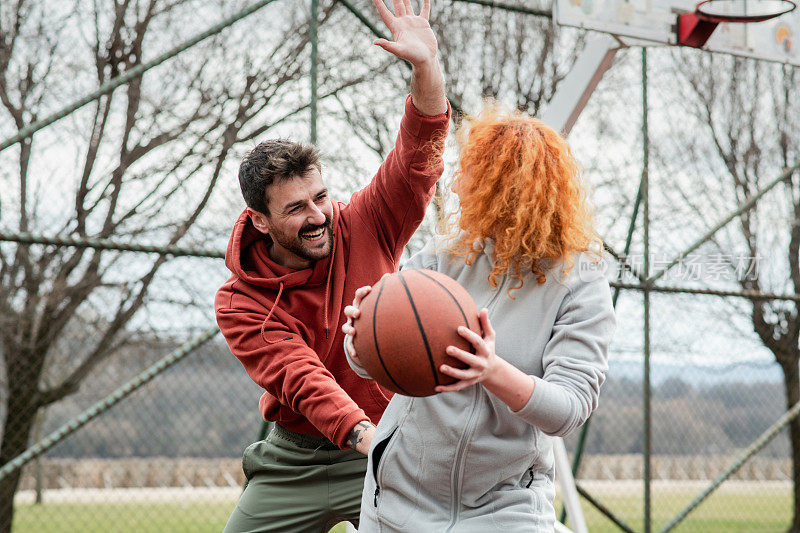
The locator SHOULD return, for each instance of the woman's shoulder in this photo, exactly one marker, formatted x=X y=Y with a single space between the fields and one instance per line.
x=425 y=257
x=579 y=268
x=438 y=255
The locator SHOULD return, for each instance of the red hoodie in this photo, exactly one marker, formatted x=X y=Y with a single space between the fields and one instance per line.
x=284 y=325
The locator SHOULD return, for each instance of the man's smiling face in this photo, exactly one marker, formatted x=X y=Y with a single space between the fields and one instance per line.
x=299 y=220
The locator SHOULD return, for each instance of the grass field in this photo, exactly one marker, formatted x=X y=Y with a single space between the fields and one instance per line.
x=736 y=507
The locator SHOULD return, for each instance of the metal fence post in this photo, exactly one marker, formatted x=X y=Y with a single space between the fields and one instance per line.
x=646 y=295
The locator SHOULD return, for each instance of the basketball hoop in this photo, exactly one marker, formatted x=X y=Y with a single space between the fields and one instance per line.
x=694 y=29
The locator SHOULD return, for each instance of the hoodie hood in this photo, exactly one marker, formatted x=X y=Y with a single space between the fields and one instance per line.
x=248 y=258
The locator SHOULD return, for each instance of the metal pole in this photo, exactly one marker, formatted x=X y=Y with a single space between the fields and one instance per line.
x=575 y=90
x=576 y=461
x=106 y=244
x=105 y=404
x=604 y=510
x=646 y=294
x=314 y=50
x=569 y=491
x=133 y=73
x=623 y=260
x=37 y=466
x=548 y=13
x=178 y=251
x=750 y=295
x=365 y=21
x=746 y=206
x=454 y=104
x=629 y=238
x=753 y=449
x=314 y=38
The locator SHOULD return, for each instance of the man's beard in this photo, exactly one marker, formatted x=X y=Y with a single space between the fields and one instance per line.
x=298 y=245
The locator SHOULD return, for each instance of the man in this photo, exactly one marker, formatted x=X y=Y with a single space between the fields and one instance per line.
x=296 y=259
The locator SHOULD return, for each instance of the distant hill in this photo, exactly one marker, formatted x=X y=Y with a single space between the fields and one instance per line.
x=207 y=406
x=699 y=375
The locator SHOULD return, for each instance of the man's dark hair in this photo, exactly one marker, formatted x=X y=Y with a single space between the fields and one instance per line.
x=276 y=159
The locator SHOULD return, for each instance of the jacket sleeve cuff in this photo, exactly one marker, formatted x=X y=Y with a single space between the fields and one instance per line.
x=358 y=369
x=423 y=126
x=548 y=407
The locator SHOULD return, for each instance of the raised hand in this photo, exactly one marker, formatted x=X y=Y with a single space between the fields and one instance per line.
x=414 y=40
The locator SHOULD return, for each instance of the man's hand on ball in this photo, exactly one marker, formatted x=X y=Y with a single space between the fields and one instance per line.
x=352 y=312
x=480 y=365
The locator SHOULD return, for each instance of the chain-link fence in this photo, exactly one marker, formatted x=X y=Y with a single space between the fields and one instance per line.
x=162 y=460
x=124 y=411
x=693 y=430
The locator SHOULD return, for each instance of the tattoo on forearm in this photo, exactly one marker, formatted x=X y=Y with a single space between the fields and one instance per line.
x=357 y=434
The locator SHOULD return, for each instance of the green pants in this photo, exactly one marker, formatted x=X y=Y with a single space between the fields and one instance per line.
x=298 y=483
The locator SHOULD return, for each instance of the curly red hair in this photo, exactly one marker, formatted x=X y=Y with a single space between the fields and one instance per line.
x=519 y=184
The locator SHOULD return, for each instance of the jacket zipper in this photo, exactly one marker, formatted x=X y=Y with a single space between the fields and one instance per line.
x=496 y=295
x=467 y=435
x=462 y=446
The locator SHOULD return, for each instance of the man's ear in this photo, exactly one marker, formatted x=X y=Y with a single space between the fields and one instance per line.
x=259 y=220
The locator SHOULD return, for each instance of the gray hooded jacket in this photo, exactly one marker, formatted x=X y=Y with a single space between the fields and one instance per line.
x=464 y=461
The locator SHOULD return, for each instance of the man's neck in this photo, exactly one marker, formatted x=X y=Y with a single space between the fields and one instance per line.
x=285 y=258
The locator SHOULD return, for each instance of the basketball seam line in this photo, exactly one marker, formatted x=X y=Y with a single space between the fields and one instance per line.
x=375 y=339
x=421 y=329
x=450 y=294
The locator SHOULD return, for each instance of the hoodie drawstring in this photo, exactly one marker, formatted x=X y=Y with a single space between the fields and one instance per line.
x=325 y=308
x=328 y=288
x=271 y=309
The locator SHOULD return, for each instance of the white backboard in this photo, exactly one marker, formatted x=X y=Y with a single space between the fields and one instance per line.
x=777 y=39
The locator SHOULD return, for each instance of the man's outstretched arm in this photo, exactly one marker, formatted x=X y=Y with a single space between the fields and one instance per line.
x=415 y=42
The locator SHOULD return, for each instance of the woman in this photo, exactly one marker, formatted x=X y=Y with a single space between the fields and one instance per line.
x=479 y=456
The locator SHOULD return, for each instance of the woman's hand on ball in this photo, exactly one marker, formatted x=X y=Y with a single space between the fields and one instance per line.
x=480 y=365
x=352 y=312
x=508 y=383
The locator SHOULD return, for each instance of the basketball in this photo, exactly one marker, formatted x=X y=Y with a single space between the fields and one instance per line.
x=406 y=323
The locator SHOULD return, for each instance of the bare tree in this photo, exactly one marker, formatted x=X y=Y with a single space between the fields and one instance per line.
x=751 y=114
x=140 y=163
x=516 y=59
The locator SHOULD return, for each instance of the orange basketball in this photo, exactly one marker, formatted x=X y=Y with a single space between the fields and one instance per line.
x=406 y=322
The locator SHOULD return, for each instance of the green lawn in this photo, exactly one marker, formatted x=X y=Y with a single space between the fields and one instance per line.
x=757 y=509
x=733 y=508
x=121 y=518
